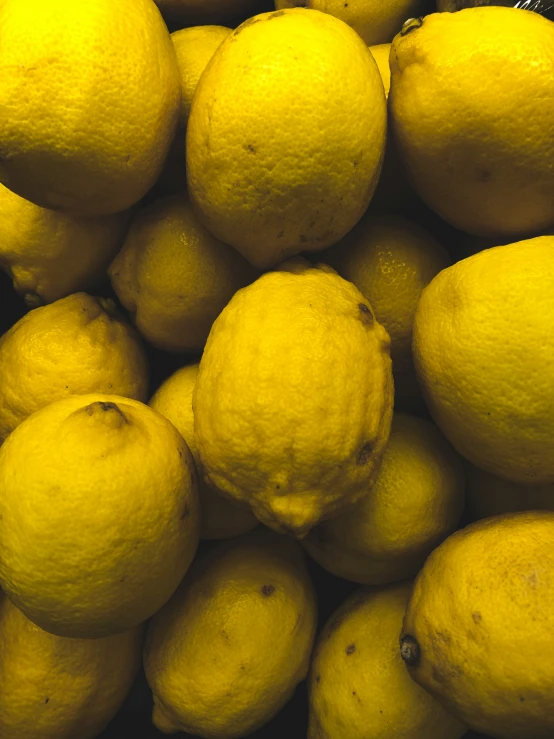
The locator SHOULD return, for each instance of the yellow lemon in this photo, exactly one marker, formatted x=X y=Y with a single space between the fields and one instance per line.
x=376 y=21
x=220 y=518
x=90 y=98
x=194 y=47
x=57 y=688
x=174 y=276
x=49 y=254
x=478 y=631
x=484 y=352
x=489 y=495
x=415 y=503
x=358 y=686
x=391 y=259
x=293 y=401
x=228 y=650
x=79 y=344
x=472 y=115
x=98 y=514
x=286 y=135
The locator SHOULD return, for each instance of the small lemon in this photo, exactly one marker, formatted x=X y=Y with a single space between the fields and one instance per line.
x=391 y=259
x=358 y=686
x=98 y=514
x=174 y=276
x=489 y=495
x=49 y=254
x=90 y=99
x=415 y=503
x=478 y=630
x=286 y=135
x=293 y=401
x=52 y=687
x=220 y=518
x=484 y=353
x=228 y=650
x=76 y=345
x=377 y=22
x=471 y=112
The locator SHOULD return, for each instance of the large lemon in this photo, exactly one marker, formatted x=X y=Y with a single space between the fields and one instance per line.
x=293 y=401
x=286 y=135
x=484 y=352
x=479 y=628
x=90 y=96
x=98 y=514
x=472 y=109
x=229 y=648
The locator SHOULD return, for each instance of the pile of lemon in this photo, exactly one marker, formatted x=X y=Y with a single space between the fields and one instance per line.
x=336 y=218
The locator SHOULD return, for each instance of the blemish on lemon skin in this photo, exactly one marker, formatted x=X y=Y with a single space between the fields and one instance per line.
x=366 y=315
x=267 y=590
x=477 y=618
x=350 y=649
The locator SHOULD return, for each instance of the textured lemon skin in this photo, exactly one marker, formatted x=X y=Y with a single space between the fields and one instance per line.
x=375 y=21
x=73 y=346
x=482 y=614
x=415 y=503
x=227 y=651
x=91 y=96
x=174 y=276
x=391 y=259
x=471 y=112
x=489 y=495
x=293 y=401
x=220 y=518
x=484 y=353
x=98 y=515
x=358 y=685
x=49 y=254
x=286 y=135
x=57 y=688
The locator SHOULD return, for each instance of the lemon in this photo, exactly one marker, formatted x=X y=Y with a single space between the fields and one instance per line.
x=488 y=495
x=415 y=503
x=484 y=353
x=194 y=47
x=98 y=514
x=471 y=111
x=220 y=518
x=49 y=254
x=90 y=98
x=391 y=259
x=286 y=135
x=377 y=22
x=76 y=345
x=227 y=651
x=57 y=688
x=293 y=400
x=479 y=624
x=358 y=686
x=174 y=276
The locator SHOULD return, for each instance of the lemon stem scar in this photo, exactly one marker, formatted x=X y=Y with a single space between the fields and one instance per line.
x=409 y=650
x=412 y=24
